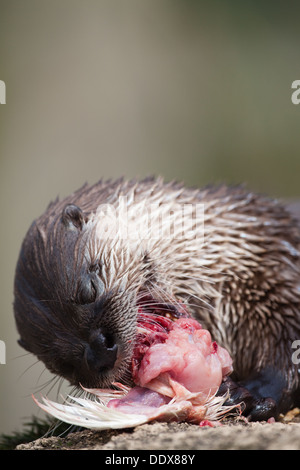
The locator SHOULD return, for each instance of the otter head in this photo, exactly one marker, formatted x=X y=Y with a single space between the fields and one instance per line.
x=74 y=307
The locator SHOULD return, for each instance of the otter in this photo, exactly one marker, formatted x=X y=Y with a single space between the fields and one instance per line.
x=230 y=255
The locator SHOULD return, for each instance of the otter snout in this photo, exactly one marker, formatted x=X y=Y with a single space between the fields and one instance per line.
x=101 y=351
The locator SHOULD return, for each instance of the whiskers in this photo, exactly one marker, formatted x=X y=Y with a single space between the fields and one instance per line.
x=183 y=296
x=43 y=426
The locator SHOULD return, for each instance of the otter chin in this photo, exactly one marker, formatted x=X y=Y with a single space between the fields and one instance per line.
x=94 y=261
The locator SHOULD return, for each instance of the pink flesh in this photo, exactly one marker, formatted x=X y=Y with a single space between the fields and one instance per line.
x=139 y=400
x=172 y=359
x=189 y=356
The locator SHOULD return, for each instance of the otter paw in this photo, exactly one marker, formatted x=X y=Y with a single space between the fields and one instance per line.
x=253 y=407
x=263 y=409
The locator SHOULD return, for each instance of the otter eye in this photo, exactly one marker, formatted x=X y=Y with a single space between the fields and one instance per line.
x=90 y=288
x=87 y=292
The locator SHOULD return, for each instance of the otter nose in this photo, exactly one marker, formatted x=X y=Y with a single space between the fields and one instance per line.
x=101 y=351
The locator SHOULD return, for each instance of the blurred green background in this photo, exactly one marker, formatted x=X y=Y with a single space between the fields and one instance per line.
x=191 y=90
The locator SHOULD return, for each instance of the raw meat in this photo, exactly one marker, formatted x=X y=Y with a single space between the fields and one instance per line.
x=177 y=369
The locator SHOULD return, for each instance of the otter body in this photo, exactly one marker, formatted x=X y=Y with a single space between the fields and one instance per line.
x=231 y=255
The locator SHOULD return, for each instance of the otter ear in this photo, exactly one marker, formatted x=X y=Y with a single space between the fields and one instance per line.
x=72 y=216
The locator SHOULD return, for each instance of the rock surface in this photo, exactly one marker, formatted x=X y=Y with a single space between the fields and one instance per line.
x=183 y=436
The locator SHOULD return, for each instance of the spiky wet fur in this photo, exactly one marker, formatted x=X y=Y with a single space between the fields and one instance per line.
x=241 y=281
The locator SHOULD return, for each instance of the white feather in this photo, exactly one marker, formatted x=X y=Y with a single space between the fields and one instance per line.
x=91 y=414
x=95 y=414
